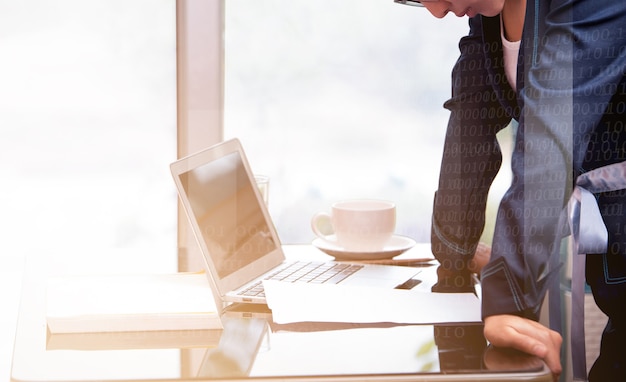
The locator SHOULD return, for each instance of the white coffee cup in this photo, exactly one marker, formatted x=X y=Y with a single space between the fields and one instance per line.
x=363 y=225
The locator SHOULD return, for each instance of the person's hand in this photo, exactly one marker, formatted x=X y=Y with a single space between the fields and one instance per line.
x=526 y=335
x=481 y=258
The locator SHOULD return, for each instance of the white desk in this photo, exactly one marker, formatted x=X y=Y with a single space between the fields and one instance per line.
x=254 y=349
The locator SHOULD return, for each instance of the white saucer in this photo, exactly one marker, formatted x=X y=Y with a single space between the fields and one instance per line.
x=396 y=245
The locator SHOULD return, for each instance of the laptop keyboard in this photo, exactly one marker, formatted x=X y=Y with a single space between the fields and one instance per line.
x=306 y=272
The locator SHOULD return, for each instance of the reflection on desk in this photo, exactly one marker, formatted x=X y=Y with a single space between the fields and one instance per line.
x=254 y=348
x=249 y=349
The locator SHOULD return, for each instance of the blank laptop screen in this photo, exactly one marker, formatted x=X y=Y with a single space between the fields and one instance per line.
x=227 y=211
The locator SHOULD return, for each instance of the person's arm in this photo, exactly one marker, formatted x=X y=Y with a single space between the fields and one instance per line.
x=471 y=156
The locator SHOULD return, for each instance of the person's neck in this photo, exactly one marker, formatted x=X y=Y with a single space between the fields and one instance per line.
x=512 y=15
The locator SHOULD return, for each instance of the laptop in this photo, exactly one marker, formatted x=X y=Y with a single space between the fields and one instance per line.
x=237 y=238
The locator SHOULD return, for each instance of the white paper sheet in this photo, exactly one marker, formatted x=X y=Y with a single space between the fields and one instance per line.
x=301 y=302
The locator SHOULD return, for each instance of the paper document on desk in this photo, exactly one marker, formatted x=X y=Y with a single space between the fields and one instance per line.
x=300 y=302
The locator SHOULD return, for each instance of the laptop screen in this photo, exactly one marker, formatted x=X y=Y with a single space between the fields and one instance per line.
x=227 y=212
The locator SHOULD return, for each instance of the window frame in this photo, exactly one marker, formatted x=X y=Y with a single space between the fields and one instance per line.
x=200 y=96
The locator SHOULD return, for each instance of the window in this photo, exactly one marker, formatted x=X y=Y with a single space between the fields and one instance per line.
x=88 y=116
x=340 y=99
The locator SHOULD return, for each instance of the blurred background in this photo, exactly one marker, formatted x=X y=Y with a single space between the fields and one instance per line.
x=331 y=99
x=337 y=100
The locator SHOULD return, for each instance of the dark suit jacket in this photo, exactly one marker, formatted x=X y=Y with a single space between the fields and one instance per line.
x=570 y=106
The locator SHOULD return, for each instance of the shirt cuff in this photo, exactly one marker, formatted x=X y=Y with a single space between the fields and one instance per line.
x=502 y=293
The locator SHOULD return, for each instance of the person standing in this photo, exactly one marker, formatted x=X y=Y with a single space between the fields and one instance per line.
x=557 y=69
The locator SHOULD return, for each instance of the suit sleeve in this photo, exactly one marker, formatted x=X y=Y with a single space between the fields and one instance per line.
x=482 y=103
